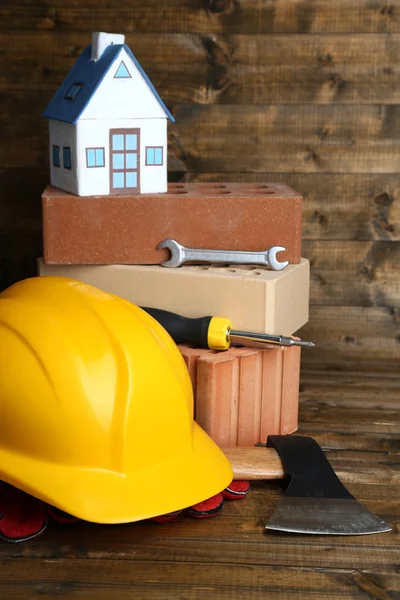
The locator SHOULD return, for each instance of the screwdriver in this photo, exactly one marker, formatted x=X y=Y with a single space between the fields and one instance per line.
x=215 y=333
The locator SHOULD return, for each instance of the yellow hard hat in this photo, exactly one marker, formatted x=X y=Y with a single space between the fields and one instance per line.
x=96 y=406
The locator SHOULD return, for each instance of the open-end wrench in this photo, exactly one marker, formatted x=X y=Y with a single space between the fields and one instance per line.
x=180 y=255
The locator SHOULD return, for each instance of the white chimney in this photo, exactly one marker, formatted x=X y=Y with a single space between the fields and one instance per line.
x=101 y=41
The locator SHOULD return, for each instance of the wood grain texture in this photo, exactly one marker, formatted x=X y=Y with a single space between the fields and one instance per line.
x=17 y=256
x=302 y=138
x=303 y=92
x=203 y=16
x=232 y=556
x=281 y=138
x=330 y=389
x=225 y=69
x=354 y=273
x=352 y=337
x=99 y=578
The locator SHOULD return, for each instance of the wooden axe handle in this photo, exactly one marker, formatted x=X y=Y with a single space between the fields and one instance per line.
x=254 y=462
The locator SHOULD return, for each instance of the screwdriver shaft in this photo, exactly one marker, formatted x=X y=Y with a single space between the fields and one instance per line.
x=260 y=340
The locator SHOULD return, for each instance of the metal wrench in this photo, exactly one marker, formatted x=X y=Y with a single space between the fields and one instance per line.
x=180 y=254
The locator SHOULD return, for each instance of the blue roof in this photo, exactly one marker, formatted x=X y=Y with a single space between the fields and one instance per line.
x=90 y=74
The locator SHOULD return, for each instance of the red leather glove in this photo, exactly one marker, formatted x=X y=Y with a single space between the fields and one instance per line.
x=211 y=507
x=23 y=517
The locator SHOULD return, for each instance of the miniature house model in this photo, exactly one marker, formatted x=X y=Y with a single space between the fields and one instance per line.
x=108 y=125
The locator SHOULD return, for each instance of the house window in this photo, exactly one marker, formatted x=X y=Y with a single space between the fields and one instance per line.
x=67 y=157
x=95 y=157
x=122 y=72
x=154 y=155
x=73 y=91
x=56 y=156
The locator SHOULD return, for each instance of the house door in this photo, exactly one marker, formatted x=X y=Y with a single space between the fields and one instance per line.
x=124 y=161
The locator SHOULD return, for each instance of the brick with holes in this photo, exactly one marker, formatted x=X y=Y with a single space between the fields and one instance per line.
x=243 y=395
x=254 y=299
x=128 y=229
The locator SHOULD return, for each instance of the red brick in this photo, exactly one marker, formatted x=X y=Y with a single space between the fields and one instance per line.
x=127 y=229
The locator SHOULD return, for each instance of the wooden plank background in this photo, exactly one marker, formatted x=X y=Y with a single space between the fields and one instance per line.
x=304 y=92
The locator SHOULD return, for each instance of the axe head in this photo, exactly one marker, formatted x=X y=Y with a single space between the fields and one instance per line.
x=315 y=501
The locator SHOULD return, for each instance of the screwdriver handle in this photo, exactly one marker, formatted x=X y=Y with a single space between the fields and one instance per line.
x=183 y=330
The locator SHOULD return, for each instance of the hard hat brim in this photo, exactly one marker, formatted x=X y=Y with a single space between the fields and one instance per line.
x=102 y=496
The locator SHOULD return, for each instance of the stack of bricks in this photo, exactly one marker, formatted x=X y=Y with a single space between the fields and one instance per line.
x=242 y=394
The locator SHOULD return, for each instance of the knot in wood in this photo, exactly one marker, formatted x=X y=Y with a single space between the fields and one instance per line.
x=383 y=199
x=387 y=10
x=218 y=6
x=325 y=60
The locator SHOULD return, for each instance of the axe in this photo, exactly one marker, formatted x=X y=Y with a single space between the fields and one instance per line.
x=315 y=501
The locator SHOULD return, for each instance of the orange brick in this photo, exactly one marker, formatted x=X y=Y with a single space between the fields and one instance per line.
x=290 y=389
x=271 y=393
x=243 y=395
x=250 y=389
x=216 y=394
x=191 y=356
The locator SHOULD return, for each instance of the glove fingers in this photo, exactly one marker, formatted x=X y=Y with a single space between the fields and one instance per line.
x=166 y=518
x=22 y=517
x=236 y=490
x=208 y=508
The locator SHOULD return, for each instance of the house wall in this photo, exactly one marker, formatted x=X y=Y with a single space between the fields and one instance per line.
x=95 y=133
x=63 y=134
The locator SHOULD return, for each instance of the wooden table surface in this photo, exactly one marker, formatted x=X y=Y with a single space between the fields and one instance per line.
x=353 y=417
